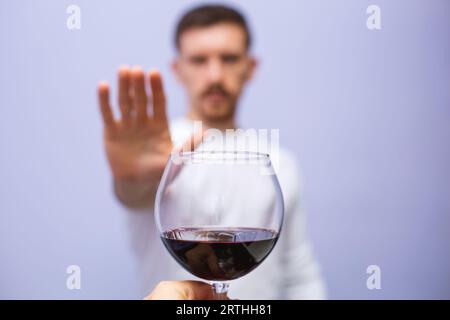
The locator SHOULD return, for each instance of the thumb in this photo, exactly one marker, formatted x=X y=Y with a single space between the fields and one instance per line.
x=192 y=143
x=189 y=145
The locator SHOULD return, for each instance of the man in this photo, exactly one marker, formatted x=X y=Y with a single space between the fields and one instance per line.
x=213 y=64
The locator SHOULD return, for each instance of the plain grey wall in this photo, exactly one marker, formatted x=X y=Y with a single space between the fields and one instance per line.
x=366 y=113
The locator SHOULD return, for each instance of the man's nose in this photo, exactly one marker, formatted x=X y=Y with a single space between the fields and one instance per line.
x=215 y=71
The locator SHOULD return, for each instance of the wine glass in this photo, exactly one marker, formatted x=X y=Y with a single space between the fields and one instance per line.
x=219 y=213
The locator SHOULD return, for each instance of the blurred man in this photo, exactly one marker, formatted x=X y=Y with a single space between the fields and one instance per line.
x=213 y=64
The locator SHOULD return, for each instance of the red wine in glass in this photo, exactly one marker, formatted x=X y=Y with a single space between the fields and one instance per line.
x=219 y=254
x=219 y=213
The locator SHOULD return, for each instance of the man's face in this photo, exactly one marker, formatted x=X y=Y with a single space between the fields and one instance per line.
x=213 y=65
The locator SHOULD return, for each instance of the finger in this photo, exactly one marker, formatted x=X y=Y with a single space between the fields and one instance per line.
x=105 y=107
x=158 y=96
x=196 y=290
x=124 y=93
x=193 y=142
x=183 y=290
x=139 y=94
x=189 y=145
x=167 y=290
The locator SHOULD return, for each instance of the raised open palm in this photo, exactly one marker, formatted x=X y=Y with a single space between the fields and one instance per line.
x=138 y=144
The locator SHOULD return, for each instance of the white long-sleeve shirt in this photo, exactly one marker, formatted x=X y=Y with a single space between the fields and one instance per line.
x=289 y=272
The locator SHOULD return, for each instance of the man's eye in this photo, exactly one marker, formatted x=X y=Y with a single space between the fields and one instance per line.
x=230 y=58
x=197 y=60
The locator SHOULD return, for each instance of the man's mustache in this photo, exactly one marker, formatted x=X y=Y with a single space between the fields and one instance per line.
x=216 y=88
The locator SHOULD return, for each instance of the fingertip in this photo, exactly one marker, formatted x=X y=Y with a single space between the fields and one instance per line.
x=124 y=68
x=124 y=72
x=103 y=85
x=156 y=80
x=154 y=73
x=137 y=69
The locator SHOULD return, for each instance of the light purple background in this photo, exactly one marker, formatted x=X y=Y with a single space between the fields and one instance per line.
x=366 y=112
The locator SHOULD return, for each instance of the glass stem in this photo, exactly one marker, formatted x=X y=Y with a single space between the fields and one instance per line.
x=220 y=290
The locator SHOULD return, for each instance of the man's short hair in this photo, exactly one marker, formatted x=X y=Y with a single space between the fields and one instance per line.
x=208 y=15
